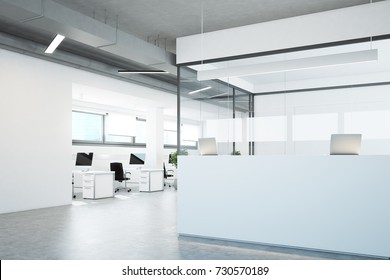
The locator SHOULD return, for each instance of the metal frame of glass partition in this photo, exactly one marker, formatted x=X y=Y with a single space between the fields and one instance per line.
x=251 y=96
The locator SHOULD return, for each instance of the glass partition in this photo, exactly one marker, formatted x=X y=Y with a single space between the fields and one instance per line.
x=286 y=101
x=215 y=109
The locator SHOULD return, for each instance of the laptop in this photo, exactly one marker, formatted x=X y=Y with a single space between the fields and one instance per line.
x=345 y=144
x=208 y=146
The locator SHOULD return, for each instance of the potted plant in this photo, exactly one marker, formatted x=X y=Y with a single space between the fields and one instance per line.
x=173 y=156
x=235 y=153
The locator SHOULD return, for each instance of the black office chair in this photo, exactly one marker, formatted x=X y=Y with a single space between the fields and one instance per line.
x=120 y=175
x=168 y=174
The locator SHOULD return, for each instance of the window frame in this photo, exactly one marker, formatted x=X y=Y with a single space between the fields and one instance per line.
x=105 y=142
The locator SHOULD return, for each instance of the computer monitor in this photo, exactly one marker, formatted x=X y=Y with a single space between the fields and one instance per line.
x=208 y=146
x=137 y=159
x=84 y=159
x=170 y=160
x=345 y=144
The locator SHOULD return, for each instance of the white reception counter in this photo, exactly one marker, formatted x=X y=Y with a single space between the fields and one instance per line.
x=332 y=203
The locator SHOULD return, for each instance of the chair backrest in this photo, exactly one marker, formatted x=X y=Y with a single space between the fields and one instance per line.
x=165 y=172
x=118 y=169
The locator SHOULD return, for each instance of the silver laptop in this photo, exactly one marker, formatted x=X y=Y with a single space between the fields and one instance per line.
x=345 y=144
x=208 y=146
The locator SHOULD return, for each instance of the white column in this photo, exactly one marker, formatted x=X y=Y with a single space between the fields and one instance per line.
x=154 y=138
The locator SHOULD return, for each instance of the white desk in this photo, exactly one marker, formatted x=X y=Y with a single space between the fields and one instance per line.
x=151 y=180
x=134 y=175
x=333 y=203
x=98 y=184
x=77 y=181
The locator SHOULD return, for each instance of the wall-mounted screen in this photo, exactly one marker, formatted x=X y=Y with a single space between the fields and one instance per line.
x=137 y=158
x=84 y=159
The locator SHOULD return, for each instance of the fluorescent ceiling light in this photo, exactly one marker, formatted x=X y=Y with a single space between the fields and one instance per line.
x=55 y=43
x=230 y=101
x=199 y=90
x=142 y=72
x=218 y=95
x=290 y=65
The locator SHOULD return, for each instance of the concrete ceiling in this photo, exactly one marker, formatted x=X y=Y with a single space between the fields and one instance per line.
x=157 y=22
x=161 y=22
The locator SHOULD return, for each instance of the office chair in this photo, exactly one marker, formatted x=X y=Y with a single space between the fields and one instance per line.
x=168 y=174
x=120 y=175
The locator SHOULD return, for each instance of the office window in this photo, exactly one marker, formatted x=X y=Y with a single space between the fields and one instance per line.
x=190 y=135
x=140 y=131
x=117 y=128
x=120 y=128
x=87 y=127
x=170 y=133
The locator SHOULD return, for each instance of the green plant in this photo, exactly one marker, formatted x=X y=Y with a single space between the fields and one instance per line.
x=235 y=153
x=173 y=156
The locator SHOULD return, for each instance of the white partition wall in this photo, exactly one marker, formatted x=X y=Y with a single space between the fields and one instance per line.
x=334 y=203
x=35 y=143
x=293 y=193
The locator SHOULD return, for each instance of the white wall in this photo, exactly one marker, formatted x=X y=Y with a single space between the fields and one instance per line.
x=35 y=142
x=155 y=138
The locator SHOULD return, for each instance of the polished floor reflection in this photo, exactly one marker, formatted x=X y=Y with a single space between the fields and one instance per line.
x=133 y=225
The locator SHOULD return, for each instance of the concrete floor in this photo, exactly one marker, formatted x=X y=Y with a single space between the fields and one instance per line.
x=131 y=226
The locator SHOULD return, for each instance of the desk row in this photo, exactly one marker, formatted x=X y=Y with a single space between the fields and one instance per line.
x=103 y=184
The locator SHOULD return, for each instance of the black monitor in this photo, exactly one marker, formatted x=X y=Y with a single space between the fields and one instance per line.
x=170 y=159
x=84 y=159
x=137 y=159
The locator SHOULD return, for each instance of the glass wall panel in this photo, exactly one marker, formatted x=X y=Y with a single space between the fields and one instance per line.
x=311 y=117
x=270 y=108
x=371 y=124
x=267 y=129
x=212 y=109
x=312 y=127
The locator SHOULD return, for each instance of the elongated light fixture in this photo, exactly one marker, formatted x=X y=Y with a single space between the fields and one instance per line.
x=290 y=65
x=142 y=72
x=218 y=95
x=55 y=43
x=199 y=90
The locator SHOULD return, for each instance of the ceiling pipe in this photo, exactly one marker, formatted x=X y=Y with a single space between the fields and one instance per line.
x=55 y=18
